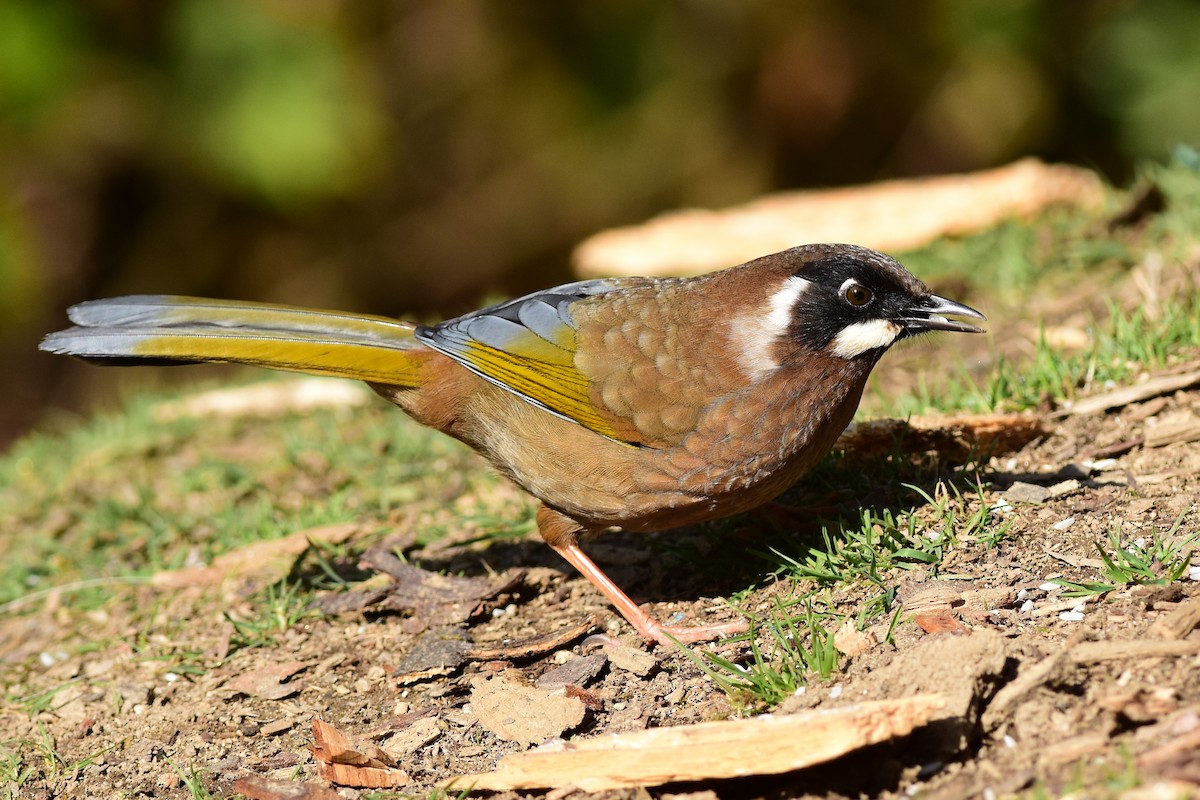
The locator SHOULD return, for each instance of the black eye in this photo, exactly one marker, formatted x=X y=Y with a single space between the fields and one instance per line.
x=857 y=295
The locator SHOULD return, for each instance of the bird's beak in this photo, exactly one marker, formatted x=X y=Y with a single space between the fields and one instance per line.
x=932 y=311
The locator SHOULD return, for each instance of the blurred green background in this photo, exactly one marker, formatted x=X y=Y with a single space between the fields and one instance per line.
x=407 y=157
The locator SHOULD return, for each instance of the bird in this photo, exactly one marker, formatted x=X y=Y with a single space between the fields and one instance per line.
x=637 y=403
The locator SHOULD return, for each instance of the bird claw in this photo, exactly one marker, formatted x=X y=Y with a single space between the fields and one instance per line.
x=671 y=635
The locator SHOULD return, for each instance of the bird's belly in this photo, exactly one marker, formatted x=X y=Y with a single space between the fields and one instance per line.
x=602 y=483
x=730 y=463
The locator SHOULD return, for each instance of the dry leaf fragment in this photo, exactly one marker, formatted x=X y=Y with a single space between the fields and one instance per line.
x=519 y=713
x=941 y=620
x=850 y=641
x=435 y=599
x=269 y=682
x=349 y=762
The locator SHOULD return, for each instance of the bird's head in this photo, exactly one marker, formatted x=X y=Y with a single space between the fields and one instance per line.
x=854 y=303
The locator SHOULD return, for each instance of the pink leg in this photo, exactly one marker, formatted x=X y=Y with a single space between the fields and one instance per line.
x=650 y=628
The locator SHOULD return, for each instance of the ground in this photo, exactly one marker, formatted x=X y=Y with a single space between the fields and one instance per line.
x=1047 y=593
x=123 y=724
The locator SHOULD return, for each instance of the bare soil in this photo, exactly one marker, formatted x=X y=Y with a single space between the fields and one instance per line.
x=1044 y=692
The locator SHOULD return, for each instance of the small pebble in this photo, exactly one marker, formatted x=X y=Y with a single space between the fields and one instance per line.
x=277 y=727
x=1022 y=492
x=1064 y=488
x=1074 y=615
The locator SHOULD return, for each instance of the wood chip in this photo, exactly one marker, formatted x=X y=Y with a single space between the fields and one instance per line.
x=444 y=650
x=435 y=654
x=1185 y=745
x=413 y=738
x=1074 y=748
x=766 y=745
x=630 y=659
x=1023 y=492
x=343 y=760
x=892 y=215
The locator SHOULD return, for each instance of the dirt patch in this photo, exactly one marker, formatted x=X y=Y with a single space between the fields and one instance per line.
x=1042 y=689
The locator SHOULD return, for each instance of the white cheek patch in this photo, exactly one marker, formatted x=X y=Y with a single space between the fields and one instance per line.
x=754 y=336
x=856 y=339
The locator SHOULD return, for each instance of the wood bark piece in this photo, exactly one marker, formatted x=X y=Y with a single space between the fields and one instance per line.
x=952 y=437
x=1127 y=395
x=531 y=648
x=1095 y=652
x=1175 y=429
x=892 y=215
x=1178 y=622
x=766 y=745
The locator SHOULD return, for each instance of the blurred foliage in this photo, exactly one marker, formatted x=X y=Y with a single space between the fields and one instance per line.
x=407 y=157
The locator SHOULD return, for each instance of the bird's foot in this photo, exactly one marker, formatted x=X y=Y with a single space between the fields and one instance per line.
x=650 y=629
x=654 y=631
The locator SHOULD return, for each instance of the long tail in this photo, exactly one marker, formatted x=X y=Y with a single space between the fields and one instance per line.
x=165 y=329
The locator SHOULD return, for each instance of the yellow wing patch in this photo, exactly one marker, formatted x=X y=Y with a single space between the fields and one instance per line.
x=554 y=384
x=529 y=347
